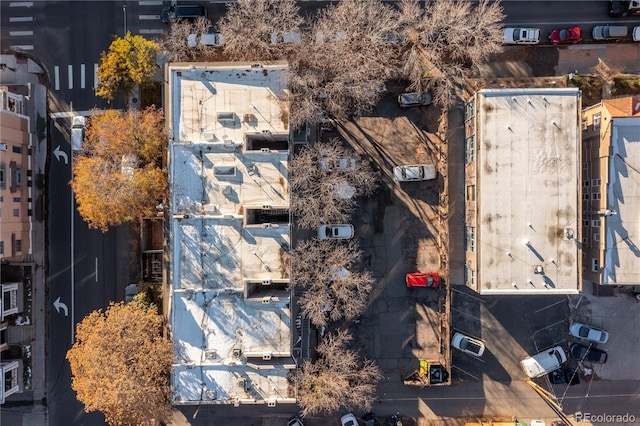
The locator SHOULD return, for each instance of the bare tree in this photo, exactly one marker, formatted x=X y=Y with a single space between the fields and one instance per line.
x=175 y=42
x=349 y=57
x=339 y=379
x=248 y=26
x=325 y=180
x=332 y=289
x=445 y=39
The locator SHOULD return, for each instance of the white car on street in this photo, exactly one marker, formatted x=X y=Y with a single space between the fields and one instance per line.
x=588 y=333
x=415 y=172
x=467 y=344
x=78 y=124
x=336 y=232
x=349 y=420
x=636 y=34
x=520 y=35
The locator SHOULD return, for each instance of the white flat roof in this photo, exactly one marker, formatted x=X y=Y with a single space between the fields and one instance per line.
x=622 y=232
x=528 y=172
x=228 y=322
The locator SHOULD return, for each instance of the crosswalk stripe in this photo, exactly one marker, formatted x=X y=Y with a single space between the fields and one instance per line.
x=82 y=77
x=150 y=3
x=20 y=33
x=22 y=47
x=95 y=76
x=56 y=73
x=21 y=19
x=149 y=17
x=21 y=4
x=70 y=69
x=69 y=114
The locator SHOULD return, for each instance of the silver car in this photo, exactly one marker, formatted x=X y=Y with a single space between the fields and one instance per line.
x=415 y=172
x=467 y=344
x=78 y=125
x=588 y=333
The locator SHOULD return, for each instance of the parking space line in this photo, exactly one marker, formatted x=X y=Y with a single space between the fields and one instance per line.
x=21 y=4
x=464 y=313
x=550 y=306
x=20 y=33
x=549 y=326
x=467 y=295
x=465 y=372
x=21 y=19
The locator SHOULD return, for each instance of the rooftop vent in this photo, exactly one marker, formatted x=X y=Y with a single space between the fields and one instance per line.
x=210 y=354
x=538 y=269
x=237 y=353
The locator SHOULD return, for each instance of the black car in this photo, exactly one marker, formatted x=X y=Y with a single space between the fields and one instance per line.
x=621 y=8
x=588 y=354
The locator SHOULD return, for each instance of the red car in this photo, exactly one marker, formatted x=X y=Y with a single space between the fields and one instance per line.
x=422 y=279
x=566 y=35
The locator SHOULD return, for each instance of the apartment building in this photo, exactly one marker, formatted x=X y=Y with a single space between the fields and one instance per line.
x=522 y=198
x=611 y=193
x=230 y=312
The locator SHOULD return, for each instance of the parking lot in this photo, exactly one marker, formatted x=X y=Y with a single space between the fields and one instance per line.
x=402 y=229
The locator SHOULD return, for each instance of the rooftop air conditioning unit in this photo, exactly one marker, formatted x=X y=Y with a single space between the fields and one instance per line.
x=242 y=383
x=266 y=207
x=237 y=353
x=271 y=404
x=266 y=357
x=266 y=282
x=210 y=354
x=265 y=225
x=538 y=269
x=266 y=300
x=211 y=394
x=265 y=150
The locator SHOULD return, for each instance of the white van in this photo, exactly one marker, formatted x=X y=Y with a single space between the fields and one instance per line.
x=544 y=362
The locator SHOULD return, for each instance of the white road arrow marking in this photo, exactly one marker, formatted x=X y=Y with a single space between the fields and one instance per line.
x=58 y=304
x=59 y=153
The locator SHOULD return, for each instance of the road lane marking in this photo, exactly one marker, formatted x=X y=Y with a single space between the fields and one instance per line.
x=20 y=33
x=22 y=47
x=21 y=19
x=21 y=4
x=95 y=76
x=82 y=76
x=96 y=269
x=56 y=73
x=70 y=71
x=149 y=17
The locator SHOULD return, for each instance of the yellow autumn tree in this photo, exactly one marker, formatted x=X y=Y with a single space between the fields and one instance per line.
x=130 y=60
x=120 y=364
x=120 y=175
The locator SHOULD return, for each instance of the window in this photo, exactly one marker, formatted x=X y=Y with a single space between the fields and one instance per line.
x=470 y=238
x=17 y=199
x=596 y=237
x=471 y=192
x=1 y=247
x=17 y=149
x=470 y=276
x=594 y=265
x=585 y=222
x=584 y=124
x=584 y=165
x=470 y=110
x=16 y=212
x=585 y=195
x=596 y=196
x=470 y=149
x=596 y=121
x=585 y=183
x=19 y=246
x=595 y=182
x=3 y=178
x=18 y=177
x=595 y=223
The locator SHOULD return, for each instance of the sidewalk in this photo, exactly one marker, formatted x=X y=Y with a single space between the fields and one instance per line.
x=25 y=71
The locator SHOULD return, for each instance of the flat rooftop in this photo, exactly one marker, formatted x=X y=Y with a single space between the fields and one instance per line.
x=622 y=229
x=230 y=233
x=528 y=186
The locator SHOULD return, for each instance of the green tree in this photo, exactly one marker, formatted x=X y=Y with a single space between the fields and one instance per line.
x=130 y=61
x=120 y=175
x=120 y=364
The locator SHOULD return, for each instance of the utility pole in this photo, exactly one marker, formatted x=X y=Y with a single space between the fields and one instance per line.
x=124 y=14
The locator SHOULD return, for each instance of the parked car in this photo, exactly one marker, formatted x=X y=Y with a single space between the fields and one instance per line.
x=543 y=362
x=215 y=40
x=335 y=232
x=537 y=423
x=422 y=279
x=414 y=172
x=622 y=8
x=566 y=35
x=636 y=34
x=520 y=35
x=184 y=11
x=327 y=165
x=349 y=420
x=609 y=32
x=584 y=353
x=292 y=37
x=78 y=124
x=130 y=291
x=410 y=99
x=467 y=344
x=588 y=333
